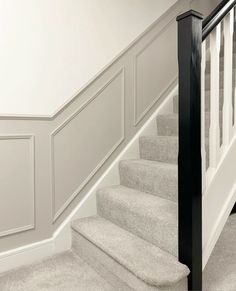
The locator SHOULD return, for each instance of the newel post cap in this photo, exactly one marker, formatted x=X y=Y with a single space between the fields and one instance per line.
x=189 y=13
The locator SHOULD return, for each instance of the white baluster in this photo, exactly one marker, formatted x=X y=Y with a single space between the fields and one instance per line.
x=214 y=132
x=228 y=76
x=203 y=149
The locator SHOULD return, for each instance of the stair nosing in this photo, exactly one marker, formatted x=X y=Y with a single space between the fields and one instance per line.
x=162 y=283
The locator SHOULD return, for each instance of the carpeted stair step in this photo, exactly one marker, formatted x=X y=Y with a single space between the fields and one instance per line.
x=163 y=148
x=159 y=148
x=140 y=264
x=147 y=216
x=167 y=124
x=207 y=101
x=150 y=176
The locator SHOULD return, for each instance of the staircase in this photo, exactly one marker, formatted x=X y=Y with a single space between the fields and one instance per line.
x=134 y=236
x=133 y=241
x=157 y=228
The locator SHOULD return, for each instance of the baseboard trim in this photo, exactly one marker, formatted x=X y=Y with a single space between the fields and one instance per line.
x=26 y=254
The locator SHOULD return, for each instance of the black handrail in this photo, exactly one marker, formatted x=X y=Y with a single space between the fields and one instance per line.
x=215 y=17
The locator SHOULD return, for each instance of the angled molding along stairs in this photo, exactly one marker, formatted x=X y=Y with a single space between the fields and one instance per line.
x=158 y=46
x=120 y=73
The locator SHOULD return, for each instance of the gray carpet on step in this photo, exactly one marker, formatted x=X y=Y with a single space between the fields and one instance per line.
x=68 y=272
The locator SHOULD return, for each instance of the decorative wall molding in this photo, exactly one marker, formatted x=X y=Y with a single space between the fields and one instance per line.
x=56 y=214
x=171 y=84
x=29 y=137
x=61 y=239
x=50 y=132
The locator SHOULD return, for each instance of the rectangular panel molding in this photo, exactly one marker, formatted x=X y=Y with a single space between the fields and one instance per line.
x=154 y=75
x=82 y=144
x=17 y=184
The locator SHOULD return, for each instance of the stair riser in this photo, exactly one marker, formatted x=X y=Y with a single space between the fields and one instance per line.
x=167 y=126
x=147 y=226
x=114 y=273
x=165 y=153
x=162 y=183
x=159 y=150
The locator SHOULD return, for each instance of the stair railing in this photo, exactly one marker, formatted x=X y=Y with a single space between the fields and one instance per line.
x=197 y=163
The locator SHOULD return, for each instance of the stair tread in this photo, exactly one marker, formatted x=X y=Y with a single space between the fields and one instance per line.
x=156 y=138
x=148 y=262
x=154 y=164
x=150 y=217
x=153 y=177
x=159 y=138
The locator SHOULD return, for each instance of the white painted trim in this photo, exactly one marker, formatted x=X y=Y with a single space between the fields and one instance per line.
x=218 y=226
x=61 y=239
x=227 y=204
x=26 y=254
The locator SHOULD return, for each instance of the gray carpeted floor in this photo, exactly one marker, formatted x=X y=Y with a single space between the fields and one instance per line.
x=67 y=272
x=220 y=272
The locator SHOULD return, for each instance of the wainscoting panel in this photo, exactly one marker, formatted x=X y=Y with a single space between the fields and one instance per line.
x=85 y=140
x=154 y=74
x=49 y=164
x=16 y=184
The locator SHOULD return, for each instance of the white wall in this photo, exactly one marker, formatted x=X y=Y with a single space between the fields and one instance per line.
x=48 y=166
x=51 y=49
x=203 y=6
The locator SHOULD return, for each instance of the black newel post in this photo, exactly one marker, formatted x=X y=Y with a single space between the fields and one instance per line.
x=189 y=160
